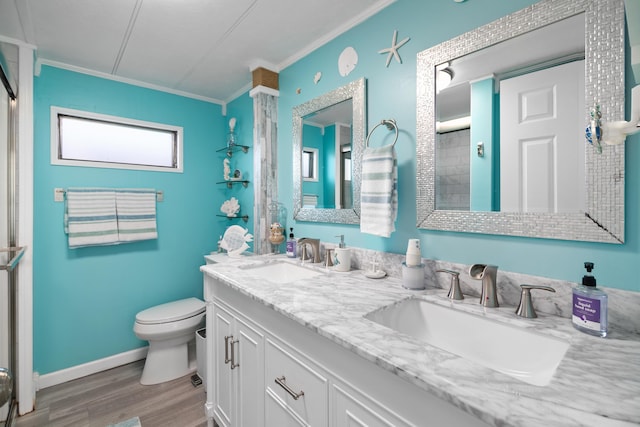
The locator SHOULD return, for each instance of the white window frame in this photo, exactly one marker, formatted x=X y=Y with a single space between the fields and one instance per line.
x=55 y=141
x=315 y=152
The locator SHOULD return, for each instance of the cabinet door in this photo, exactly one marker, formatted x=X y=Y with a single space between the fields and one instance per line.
x=221 y=388
x=249 y=354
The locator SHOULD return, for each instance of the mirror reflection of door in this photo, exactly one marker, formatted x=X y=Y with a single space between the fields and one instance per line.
x=542 y=147
x=343 y=167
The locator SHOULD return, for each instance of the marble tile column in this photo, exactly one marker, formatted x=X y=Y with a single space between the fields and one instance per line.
x=265 y=162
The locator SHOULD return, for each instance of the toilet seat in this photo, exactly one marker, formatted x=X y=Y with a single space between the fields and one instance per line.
x=171 y=312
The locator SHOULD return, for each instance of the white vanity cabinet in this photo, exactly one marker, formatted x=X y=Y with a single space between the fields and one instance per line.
x=236 y=354
x=333 y=385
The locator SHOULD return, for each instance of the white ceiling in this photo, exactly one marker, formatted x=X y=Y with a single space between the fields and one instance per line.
x=204 y=48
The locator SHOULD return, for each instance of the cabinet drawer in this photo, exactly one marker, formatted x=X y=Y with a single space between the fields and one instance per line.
x=354 y=409
x=299 y=375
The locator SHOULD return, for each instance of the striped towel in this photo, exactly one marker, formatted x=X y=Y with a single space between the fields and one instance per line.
x=379 y=193
x=136 y=214
x=90 y=217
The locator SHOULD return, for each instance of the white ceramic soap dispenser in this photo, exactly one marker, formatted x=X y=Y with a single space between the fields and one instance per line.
x=342 y=261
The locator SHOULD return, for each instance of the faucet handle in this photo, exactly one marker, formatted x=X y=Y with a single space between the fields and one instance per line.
x=328 y=257
x=454 y=290
x=304 y=256
x=525 y=308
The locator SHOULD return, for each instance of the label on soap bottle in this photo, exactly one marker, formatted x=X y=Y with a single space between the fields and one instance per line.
x=586 y=312
x=291 y=248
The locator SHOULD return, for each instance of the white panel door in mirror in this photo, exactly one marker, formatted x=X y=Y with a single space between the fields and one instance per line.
x=542 y=146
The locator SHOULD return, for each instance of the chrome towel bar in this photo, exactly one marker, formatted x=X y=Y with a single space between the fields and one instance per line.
x=13 y=262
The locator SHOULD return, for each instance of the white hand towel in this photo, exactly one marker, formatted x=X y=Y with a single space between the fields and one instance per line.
x=136 y=213
x=90 y=217
x=378 y=192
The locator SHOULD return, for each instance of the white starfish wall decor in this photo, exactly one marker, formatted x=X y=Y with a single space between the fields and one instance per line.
x=393 y=50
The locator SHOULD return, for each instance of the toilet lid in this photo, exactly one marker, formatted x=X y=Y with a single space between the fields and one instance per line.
x=171 y=311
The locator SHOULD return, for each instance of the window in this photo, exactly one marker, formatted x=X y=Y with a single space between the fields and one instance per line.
x=310 y=164
x=80 y=138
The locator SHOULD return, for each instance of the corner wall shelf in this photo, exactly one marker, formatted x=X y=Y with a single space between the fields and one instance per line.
x=234 y=149
x=245 y=218
x=230 y=183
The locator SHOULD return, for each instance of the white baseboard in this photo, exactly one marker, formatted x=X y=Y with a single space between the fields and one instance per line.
x=79 y=371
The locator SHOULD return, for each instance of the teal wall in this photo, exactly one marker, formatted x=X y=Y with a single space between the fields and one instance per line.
x=85 y=300
x=495 y=148
x=482 y=123
x=392 y=94
x=329 y=166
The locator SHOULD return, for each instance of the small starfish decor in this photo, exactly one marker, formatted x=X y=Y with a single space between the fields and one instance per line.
x=393 y=50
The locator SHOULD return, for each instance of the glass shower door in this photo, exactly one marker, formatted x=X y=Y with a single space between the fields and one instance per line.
x=5 y=338
x=9 y=255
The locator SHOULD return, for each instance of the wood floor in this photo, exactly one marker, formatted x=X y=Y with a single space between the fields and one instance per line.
x=116 y=395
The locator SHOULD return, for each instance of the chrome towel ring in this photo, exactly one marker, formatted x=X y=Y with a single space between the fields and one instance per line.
x=390 y=124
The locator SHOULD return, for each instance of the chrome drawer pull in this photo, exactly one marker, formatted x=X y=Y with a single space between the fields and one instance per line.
x=233 y=355
x=281 y=382
x=226 y=349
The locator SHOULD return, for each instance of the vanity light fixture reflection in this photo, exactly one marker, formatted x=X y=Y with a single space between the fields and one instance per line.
x=443 y=77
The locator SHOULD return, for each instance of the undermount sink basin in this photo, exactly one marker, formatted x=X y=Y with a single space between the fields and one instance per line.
x=284 y=272
x=525 y=355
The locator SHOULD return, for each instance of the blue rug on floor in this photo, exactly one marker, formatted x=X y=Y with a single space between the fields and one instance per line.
x=133 y=422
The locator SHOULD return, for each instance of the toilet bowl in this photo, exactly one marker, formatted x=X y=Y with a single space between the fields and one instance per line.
x=169 y=328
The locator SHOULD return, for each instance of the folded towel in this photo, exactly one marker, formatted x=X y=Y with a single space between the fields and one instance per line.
x=90 y=217
x=378 y=191
x=136 y=214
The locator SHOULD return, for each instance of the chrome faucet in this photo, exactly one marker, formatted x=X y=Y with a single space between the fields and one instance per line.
x=486 y=273
x=315 y=245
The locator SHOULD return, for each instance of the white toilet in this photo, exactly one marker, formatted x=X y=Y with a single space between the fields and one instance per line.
x=169 y=328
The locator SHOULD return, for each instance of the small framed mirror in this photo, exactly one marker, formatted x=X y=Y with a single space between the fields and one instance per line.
x=328 y=141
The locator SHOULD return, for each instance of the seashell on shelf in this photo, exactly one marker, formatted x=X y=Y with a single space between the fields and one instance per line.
x=230 y=207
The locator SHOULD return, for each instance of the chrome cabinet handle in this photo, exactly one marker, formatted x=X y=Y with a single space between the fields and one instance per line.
x=525 y=308
x=226 y=349
x=233 y=354
x=281 y=382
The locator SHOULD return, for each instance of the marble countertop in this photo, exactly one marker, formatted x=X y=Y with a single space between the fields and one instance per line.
x=596 y=384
